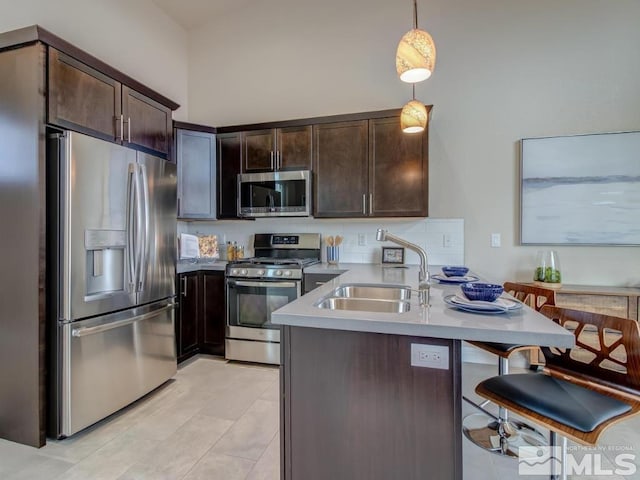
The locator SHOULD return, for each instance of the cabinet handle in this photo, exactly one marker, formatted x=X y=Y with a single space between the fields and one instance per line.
x=121 y=127
x=129 y=129
x=272 y=167
x=364 y=204
x=371 y=204
x=278 y=160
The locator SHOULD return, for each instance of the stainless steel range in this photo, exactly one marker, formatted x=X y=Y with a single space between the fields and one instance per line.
x=257 y=286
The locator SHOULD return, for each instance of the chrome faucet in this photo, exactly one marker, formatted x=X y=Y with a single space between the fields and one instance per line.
x=423 y=276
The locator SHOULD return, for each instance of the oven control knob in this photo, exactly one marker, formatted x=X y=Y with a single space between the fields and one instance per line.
x=234 y=271
x=278 y=273
x=243 y=272
x=260 y=272
x=287 y=273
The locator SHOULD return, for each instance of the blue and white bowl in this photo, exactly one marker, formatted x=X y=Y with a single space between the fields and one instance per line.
x=457 y=271
x=486 y=292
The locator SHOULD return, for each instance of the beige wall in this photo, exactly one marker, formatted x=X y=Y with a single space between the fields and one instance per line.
x=133 y=36
x=507 y=69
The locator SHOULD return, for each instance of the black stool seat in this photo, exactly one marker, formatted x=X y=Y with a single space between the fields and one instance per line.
x=559 y=400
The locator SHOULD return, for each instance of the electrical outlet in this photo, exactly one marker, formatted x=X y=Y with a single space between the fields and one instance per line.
x=495 y=240
x=446 y=240
x=429 y=356
x=362 y=239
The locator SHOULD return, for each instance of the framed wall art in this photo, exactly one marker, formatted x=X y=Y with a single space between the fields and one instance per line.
x=393 y=255
x=580 y=190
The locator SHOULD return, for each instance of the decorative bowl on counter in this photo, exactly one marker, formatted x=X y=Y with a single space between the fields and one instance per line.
x=455 y=271
x=486 y=292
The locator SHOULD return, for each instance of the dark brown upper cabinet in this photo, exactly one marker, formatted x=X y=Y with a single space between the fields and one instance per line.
x=229 y=158
x=84 y=99
x=398 y=170
x=286 y=148
x=370 y=168
x=147 y=123
x=340 y=169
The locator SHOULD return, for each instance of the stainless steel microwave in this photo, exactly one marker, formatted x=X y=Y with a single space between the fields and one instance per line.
x=274 y=194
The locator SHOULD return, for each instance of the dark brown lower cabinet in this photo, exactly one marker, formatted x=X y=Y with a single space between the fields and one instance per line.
x=188 y=317
x=200 y=320
x=213 y=313
x=354 y=408
x=315 y=280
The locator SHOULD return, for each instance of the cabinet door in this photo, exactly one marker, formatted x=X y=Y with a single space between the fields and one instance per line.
x=315 y=280
x=229 y=159
x=294 y=148
x=147 y=123
x=340 y=169
x=189 y=318
x=196 y=157
x=83 y=99
x=259 y=151
x=213 y=313
x=398 y=170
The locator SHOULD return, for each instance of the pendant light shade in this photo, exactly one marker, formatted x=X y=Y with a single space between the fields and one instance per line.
x=416 y=56
x=413 y=118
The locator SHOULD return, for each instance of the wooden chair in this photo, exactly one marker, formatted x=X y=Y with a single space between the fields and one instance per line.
x=583 y=390
x=536 y=298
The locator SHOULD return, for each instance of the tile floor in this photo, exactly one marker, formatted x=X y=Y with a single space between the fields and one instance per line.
x=219 y=421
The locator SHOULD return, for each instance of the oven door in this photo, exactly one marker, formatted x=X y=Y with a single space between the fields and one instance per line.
x=250 y=304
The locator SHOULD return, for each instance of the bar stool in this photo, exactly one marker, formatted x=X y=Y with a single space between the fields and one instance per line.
x=582 y=390
x=497 y=434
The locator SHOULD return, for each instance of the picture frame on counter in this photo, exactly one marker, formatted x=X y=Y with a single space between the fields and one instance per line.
x=393 y=255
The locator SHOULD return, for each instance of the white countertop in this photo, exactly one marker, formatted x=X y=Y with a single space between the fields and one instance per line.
x=185 y=266
x=525 y=326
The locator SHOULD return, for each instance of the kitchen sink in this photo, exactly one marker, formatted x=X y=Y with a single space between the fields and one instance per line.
x=364 y=305
x=374 y=292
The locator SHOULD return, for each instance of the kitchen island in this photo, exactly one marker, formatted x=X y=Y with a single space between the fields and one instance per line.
x=354 y=407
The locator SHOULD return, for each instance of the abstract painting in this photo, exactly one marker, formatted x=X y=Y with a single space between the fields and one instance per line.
x=580 y=190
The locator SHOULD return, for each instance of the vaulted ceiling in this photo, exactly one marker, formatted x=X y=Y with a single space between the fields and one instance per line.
x=195 y=13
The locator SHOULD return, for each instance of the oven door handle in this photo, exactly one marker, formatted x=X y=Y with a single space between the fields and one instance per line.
x=263 y=284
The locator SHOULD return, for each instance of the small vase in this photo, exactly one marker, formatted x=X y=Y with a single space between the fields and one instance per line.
x=547 y=272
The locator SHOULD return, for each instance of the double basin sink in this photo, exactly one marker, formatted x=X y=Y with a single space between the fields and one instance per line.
x=362 y=297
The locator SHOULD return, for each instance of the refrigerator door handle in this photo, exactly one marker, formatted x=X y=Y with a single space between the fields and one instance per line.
x=131 y=239
x=139 y=221
x=84 y=331
x=144 y=247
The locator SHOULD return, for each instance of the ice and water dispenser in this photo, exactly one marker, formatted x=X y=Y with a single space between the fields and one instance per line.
x=105 y=261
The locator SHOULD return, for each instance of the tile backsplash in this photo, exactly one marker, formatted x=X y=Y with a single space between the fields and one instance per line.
x=442 y=238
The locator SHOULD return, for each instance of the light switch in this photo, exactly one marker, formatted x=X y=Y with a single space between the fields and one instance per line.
x=495 y=240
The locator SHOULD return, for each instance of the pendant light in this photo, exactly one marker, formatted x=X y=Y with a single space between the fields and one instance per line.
x=413 y=118
x=416 y=54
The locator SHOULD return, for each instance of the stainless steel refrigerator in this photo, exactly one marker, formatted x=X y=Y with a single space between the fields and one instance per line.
x=111 y=261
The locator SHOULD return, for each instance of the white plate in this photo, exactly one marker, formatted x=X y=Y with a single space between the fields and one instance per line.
x=501 y=305
x=454 y=280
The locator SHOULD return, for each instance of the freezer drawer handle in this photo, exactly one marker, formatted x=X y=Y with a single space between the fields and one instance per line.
x=84 y=331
